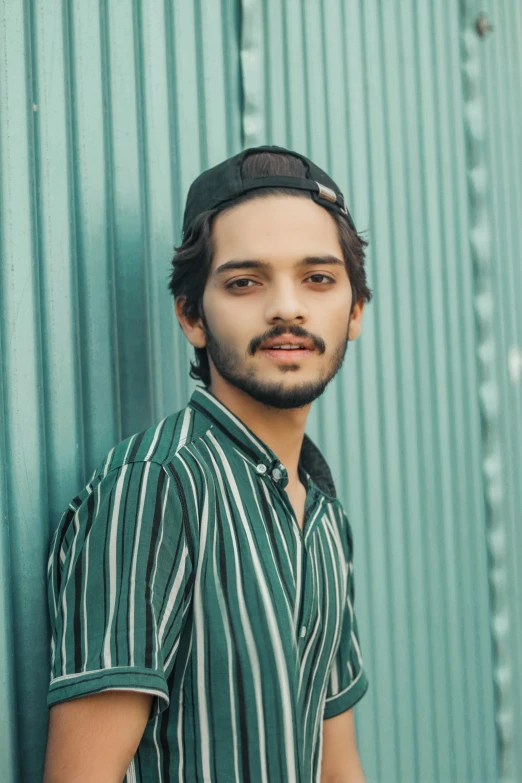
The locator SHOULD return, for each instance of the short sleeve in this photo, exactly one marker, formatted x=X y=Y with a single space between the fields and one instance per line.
x=118 y=585
x=347 y=682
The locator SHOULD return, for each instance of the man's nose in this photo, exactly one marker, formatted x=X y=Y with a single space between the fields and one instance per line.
x=285 y=304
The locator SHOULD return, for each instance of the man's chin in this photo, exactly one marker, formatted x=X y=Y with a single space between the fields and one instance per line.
x=285 y=394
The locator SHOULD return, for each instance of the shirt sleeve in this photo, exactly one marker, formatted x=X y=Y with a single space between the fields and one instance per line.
x=119 y=581
x=347 y=682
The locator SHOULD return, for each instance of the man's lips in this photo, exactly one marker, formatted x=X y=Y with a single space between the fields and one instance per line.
x=279 y=354
x=289 y=339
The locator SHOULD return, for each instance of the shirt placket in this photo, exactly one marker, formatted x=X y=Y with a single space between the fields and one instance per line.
x=305 y=615
x=305 y=597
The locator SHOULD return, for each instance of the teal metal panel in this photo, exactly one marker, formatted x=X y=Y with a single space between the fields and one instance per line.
x=372 y=92
x=501 y=83
x=9 y=744
x=488 y=386
x=25 y=502
x=108 y=111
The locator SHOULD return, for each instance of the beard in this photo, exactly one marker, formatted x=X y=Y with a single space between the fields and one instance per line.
x=273 y=394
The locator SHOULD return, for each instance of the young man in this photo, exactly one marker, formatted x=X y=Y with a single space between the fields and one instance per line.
x=201 y=585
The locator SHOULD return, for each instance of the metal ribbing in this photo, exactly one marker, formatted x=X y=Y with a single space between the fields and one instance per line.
x=9 y=743
x=501 y=79
x=371 y=92
x=480 y=243
x=109 y=111
x=24 y=480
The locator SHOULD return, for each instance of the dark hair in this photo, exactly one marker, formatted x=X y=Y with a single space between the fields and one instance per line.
x=193 y=257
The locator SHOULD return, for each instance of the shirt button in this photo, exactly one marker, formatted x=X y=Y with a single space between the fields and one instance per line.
x=276 y=474
x=261 y=468
x=303 y=631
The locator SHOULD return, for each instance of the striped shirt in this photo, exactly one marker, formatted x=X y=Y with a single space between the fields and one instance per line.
x=181 y=570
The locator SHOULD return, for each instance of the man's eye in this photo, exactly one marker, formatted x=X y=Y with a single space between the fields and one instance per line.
x=234 y=285
x=241 y=280
x=328 y=279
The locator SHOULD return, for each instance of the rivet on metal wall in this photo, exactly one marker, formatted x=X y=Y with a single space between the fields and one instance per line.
x=483 y=26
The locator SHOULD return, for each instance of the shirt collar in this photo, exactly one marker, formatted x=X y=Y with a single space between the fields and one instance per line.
x=264 y=460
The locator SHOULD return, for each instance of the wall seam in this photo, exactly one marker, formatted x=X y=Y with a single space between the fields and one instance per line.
x=488 y=392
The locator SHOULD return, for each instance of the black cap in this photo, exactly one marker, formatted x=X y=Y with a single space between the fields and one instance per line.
x=223 y=184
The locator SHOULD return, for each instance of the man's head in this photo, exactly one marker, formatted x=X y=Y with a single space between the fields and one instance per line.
x=307 y=282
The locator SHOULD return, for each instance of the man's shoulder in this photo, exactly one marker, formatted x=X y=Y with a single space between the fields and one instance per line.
x=159 y=443
x=135 y=464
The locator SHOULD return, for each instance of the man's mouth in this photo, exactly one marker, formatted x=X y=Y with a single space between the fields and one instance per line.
x=286 y=348
x=291 y=353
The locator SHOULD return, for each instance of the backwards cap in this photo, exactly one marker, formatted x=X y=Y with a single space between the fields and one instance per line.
x=223 y=184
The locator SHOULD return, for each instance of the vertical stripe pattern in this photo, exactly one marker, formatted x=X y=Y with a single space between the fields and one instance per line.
x=181 y=570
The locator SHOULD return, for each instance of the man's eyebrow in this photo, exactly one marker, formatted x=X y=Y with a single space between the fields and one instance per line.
x=254 y=263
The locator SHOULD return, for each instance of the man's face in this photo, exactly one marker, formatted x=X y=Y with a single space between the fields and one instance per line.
x=243 y=308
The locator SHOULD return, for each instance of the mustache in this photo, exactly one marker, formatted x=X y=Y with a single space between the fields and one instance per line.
x=296 y=331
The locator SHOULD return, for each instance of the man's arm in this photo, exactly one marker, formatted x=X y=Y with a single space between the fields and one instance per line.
x=95 y=737
x=341 y=763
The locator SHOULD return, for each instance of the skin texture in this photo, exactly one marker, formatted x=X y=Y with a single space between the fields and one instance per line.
x=341 y=763
x=95 y=737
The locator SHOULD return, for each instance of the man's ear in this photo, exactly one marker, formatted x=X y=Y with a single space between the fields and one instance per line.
x=192 y=326
x=356 y=320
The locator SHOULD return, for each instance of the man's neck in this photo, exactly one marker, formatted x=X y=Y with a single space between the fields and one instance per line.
x=281 y=429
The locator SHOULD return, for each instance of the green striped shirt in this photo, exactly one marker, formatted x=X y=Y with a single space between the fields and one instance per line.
x=181 y=570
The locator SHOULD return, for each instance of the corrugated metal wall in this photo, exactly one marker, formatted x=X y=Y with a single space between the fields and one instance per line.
x=372 y=91
x=474 y=28
x=107 y=113
x=501 y=74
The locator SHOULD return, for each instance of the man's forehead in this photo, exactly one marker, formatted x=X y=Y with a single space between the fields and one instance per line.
x=274 y=233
